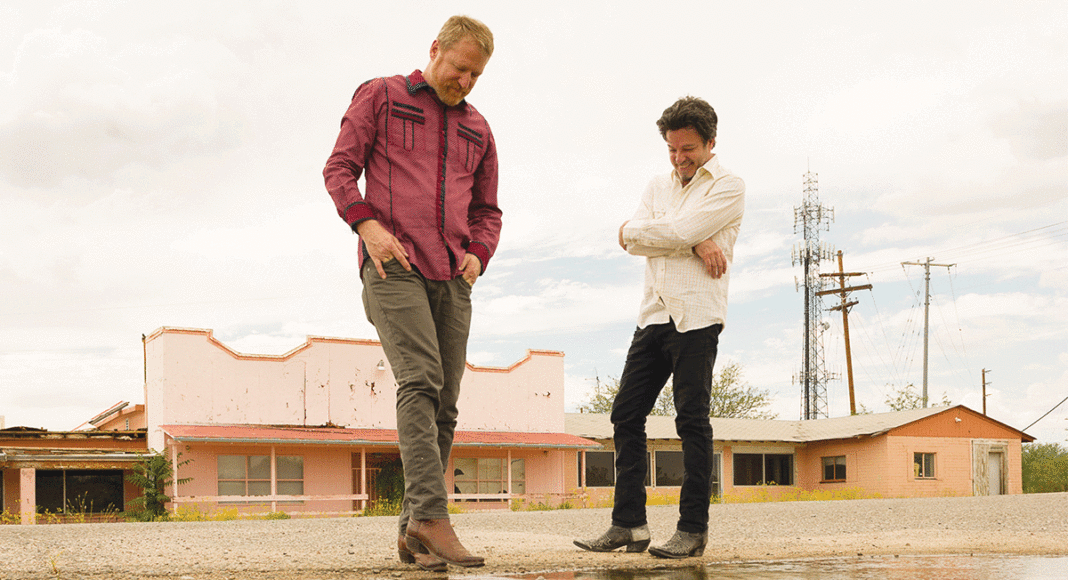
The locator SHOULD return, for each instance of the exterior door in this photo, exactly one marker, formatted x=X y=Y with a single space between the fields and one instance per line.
x=993 y=470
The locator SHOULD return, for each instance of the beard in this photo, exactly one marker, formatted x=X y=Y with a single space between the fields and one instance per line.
x=452 y=96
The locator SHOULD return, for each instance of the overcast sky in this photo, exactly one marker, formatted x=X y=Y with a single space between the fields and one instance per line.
x=161 y=165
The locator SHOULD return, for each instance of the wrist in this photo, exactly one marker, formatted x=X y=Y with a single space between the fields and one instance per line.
x=361 y=227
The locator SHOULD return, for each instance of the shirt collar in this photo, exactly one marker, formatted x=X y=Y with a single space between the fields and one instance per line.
x=710 y=167
x=416 y=82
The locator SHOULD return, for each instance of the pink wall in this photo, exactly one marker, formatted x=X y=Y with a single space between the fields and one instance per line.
x=194 y=379
x=865 y=463
x=327 y=471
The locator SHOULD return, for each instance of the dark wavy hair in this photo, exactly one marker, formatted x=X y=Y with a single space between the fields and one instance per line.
x=692 y=112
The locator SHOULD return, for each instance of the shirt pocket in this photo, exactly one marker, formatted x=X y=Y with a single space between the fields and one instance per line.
x=470 y=146
x=406 y=126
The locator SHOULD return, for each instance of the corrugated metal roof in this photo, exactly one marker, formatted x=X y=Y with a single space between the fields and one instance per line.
x=598 y=426
x=342 y=436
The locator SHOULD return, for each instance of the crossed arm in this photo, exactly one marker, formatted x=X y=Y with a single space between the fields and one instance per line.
x=709 y=252
x=688 y=228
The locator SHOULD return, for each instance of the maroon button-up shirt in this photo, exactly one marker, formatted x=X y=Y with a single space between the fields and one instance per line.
x=430 y=173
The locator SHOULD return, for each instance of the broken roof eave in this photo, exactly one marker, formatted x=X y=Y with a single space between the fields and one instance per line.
x=350 y=438
x=61 y=457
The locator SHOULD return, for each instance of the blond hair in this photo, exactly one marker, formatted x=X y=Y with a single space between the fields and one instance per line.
x=458 y=28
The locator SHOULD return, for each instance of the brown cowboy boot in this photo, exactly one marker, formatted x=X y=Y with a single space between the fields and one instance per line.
x=438 y=537
x=419 y=556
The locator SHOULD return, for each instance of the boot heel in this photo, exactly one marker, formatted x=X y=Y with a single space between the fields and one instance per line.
x=403 y=552
x=638 y=546
x=698 y=552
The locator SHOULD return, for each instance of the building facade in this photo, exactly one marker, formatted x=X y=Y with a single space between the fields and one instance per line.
x=936 y=451
x=313 y=431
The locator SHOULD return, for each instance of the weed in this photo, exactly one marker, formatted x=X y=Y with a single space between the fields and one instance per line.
x=523 y=505
x=661 y=498
x=186 y=513
x=9 y=518
x=383 y=507
x=225 y=515
x=762 y=494
x=53 y=562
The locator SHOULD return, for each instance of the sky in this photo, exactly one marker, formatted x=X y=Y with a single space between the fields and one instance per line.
x=161 y=165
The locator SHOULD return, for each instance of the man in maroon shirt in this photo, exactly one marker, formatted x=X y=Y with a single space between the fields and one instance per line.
x=428 y=223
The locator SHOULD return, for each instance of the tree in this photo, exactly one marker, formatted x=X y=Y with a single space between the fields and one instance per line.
x=907 y=398
x=734 y=398
x=1045 y=468
x=153 y=474
x=731 y=397
x=600 y=400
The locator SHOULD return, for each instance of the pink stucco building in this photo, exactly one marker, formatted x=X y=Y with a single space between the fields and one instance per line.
x=311 y=430
x=308 y=431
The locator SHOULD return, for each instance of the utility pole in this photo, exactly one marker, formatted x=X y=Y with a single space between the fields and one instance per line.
x=926 y=312
x=842 y=292
x=984 y=390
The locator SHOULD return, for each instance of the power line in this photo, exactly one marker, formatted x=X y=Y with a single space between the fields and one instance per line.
x=1056 y=231
x=1047 y=413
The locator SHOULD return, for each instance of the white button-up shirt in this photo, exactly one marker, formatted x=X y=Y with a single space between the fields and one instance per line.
x=670 y=221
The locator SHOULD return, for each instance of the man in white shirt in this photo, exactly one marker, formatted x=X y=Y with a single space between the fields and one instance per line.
x=685 y=226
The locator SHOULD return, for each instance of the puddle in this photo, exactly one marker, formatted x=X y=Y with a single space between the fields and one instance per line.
x=984 y=567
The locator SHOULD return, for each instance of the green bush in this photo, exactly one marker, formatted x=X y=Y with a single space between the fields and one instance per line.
x=1045 y=468
x=153 y=474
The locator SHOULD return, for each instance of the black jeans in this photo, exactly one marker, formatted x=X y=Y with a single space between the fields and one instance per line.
x=657 y=352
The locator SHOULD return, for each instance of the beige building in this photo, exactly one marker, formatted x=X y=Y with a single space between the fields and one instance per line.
x=936 y=451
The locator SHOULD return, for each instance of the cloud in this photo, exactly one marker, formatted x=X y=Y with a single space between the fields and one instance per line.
x=556 y=304
x=1037 y=131
x=77 y=107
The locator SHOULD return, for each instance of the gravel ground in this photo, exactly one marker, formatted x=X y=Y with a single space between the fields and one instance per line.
x=522 y=542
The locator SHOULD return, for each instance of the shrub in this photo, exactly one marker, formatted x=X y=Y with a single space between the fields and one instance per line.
x=153 y=474
x=1045 y=468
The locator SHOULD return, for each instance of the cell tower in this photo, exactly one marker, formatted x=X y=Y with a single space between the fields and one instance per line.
x=808 y=219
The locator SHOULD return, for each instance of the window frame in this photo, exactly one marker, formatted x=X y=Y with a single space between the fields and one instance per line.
x=584 y=479
x=611 y=477
x=764 y=466
x=922 y=462
x=657 y=461
x=834 y=468
x=247 y=481
x=508 y=473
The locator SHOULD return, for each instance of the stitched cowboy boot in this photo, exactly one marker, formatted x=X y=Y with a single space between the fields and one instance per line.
x=635 y=539
x=681 y=545
x=440 y=540
x=419 y=556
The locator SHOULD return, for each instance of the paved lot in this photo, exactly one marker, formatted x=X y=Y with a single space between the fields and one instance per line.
x=517 y=542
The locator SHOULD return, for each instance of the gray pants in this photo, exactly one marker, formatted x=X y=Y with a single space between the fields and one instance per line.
x=423 y=325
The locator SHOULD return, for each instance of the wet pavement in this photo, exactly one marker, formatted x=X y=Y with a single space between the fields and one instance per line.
x=955 y=567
